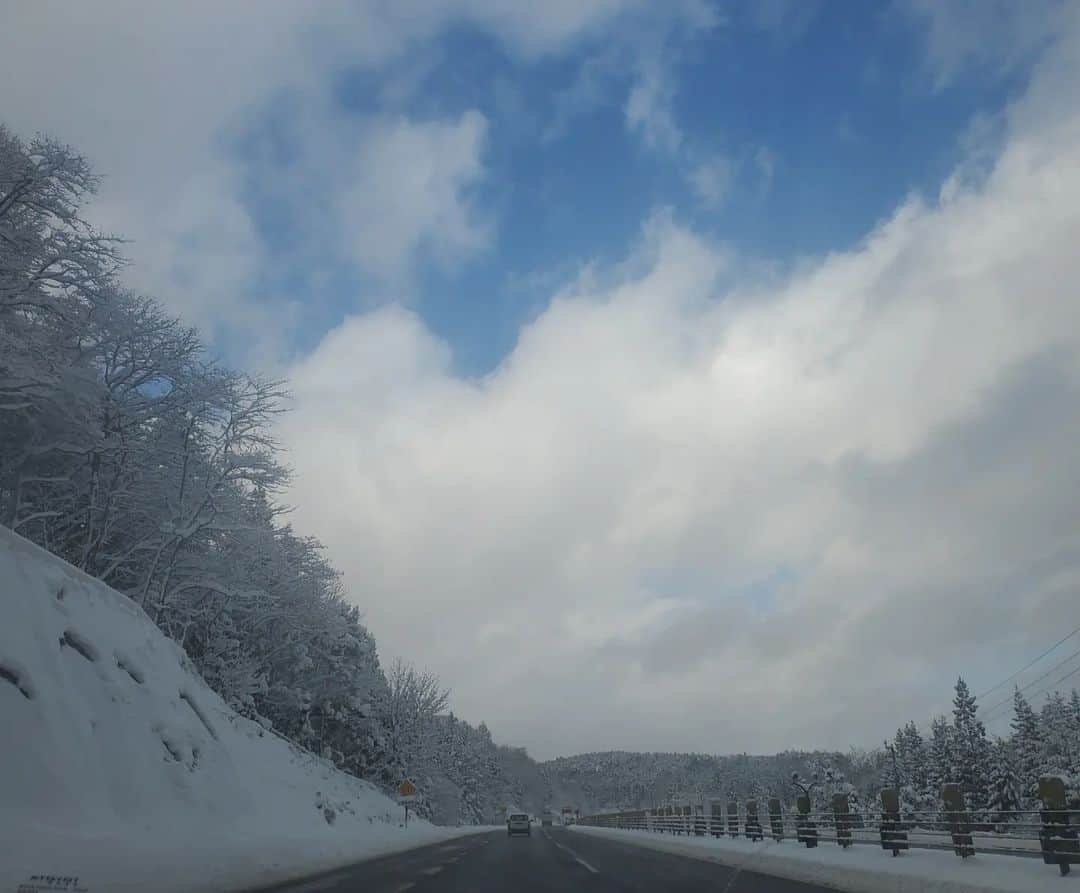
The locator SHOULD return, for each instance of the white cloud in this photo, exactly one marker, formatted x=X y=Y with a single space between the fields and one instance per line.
x=649 y=109
x=144 y=91
x=887 y=435
x=409 y=194
x=152 y=93
x=710 y=180
x=645 y=52
x=991 y=37
x=765 y=162
x=788 y=19
x=590 y=88
x=536 y=28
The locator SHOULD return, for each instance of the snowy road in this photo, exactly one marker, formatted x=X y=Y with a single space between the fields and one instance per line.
x=551 y=859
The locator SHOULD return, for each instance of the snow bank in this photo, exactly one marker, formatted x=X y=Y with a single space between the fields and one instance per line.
x=121 y=768
x=860 y=868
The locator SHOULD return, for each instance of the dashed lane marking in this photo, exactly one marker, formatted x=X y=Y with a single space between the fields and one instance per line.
x=435 y=869
x=573 y=855
x=326 y=883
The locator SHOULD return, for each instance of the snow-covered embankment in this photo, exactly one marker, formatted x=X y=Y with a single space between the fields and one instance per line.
x=121 y=768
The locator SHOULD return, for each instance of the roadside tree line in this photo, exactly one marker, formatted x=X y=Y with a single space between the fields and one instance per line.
x=129 y=451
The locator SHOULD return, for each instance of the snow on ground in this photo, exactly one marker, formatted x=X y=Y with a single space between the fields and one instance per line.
x=863 y=869
x=120 y=767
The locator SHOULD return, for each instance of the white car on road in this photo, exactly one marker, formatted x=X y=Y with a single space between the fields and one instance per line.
x=518 y=823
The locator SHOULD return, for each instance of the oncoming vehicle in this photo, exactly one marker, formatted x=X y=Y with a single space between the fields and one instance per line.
x=518 y=823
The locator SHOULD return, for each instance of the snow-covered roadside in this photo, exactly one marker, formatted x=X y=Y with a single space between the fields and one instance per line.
x=121 y=768
x=186 y=859
x=861 y=869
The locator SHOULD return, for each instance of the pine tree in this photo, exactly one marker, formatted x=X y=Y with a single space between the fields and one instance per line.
x=1058 y=733
x=919 y=793
x=894 y=772
x=1074 y=734
x=915 y=758
x=1005 y=797
x=1028 y=746
x=971 y=748
x=941 y=755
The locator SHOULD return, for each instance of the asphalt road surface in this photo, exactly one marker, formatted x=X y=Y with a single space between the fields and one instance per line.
x=550 y=859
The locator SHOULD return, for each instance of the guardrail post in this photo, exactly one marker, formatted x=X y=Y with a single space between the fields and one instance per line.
x=806 y=829
x=776 y=819
x=753 y=823
x=699 y=820
x=1058 y=835
x=893 y=837
x=716 y=818
x=732 y=819
x=958 y=820
x=842 y=816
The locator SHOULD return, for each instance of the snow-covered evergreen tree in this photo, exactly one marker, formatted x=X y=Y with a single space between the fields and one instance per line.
x=941 y=761
x=1056 y=720
x=1005 y=796
x=916 y=760
x=895 y=772
x=971 y=749
x=907 y=769
x=1027 y=740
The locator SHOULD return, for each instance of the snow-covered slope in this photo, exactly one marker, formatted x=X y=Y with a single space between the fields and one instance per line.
x=120 y=767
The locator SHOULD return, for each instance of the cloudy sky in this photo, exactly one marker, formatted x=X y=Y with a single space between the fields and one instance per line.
x=684 y=375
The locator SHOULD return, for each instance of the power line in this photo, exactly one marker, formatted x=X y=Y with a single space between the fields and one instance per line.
x=924 y=727
x=1057 y=666
x=1028 y=666
x=1052 y=687
x=1035 y=681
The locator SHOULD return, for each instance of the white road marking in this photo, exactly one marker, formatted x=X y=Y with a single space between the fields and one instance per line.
x=321 y=884
x=435 y=869
x=573 y=855
x=401 y=888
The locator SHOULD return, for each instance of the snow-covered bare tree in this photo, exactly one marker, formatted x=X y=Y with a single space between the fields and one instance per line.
x=128 y=452
x=416 y=698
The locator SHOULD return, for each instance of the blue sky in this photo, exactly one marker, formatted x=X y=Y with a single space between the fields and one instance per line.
x=630 y=342
x=822 y=119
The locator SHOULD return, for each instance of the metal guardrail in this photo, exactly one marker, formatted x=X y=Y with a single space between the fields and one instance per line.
x=1050 y=833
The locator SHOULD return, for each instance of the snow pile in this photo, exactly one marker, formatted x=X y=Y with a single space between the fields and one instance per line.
x=121 y=768
x=862 y=869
